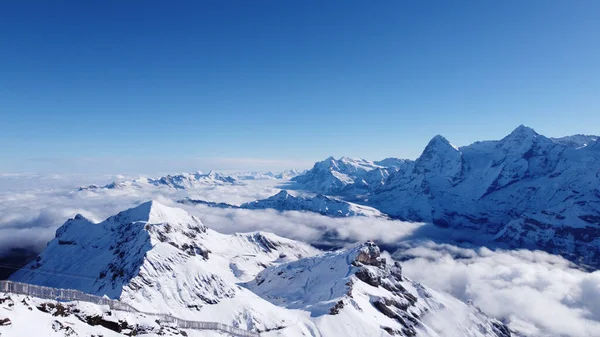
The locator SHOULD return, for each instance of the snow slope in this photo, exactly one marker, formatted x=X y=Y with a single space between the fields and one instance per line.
x=59 y=319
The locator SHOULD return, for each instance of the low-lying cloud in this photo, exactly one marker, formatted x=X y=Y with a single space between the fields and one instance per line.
x=539 y=293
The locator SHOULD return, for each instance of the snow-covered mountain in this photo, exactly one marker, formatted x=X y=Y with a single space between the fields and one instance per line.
x=526 y=189
x=356 y=293
x=179 y=181
x=284 y=201
x=268 y=175
x=335 y=176
x=163 y=260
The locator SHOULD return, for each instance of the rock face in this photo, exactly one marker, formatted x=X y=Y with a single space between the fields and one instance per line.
x=527 y=190
x=356 y=285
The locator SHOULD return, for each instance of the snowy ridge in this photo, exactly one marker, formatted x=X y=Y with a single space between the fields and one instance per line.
x=284 y=201
x=355 y=293
x=180 y=182
x=268 y=175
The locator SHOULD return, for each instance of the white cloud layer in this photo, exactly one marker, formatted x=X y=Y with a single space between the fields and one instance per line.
x=538 y=293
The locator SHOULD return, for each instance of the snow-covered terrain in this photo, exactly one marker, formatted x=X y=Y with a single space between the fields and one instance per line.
x=29 y=316
x=164 y=260
x=356 y=293
x=287 y=174
x=161 y=259
x=284 y=201
x=337 y=176
x=179 y=181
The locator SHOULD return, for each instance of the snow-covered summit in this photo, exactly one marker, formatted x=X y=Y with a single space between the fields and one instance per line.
x=355 y=292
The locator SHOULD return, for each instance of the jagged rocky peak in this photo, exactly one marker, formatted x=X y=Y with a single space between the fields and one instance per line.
x=522 y=132
x=440 y=156
x=438 y=146
x=368 y=254
x=357 y=284
x=283 y=194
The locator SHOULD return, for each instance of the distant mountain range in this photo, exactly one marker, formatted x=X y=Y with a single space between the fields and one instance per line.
x=194 y=180
x=525 y=190
x=179 y=181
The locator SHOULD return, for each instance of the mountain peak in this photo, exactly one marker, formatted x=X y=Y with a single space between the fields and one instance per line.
x=522 y=132
x=284 y=194
x=439 y=143
x=152 y=211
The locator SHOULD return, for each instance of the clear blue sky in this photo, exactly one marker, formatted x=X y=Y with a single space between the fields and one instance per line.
x=117 y=85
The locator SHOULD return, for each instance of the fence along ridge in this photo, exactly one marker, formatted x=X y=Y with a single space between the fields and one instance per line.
x=76 y=295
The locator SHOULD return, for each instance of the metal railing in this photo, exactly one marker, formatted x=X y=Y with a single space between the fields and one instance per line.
x=58 y=294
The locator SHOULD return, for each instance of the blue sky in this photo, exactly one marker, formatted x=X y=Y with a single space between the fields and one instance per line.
x=150 y=86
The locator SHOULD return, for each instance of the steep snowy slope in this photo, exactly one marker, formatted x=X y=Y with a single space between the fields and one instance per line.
x=161 y=259
x=334 y=176
x=528 y=190
x=284 y=201
x=355 y=293
x=180 y=181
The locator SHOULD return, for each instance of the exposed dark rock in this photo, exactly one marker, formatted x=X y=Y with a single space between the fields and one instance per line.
x=55 y=309
x=336 y=308
x=5 y=322
x=369 y=277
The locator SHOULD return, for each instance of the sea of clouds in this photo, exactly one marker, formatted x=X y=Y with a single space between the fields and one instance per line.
x=536 y=293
